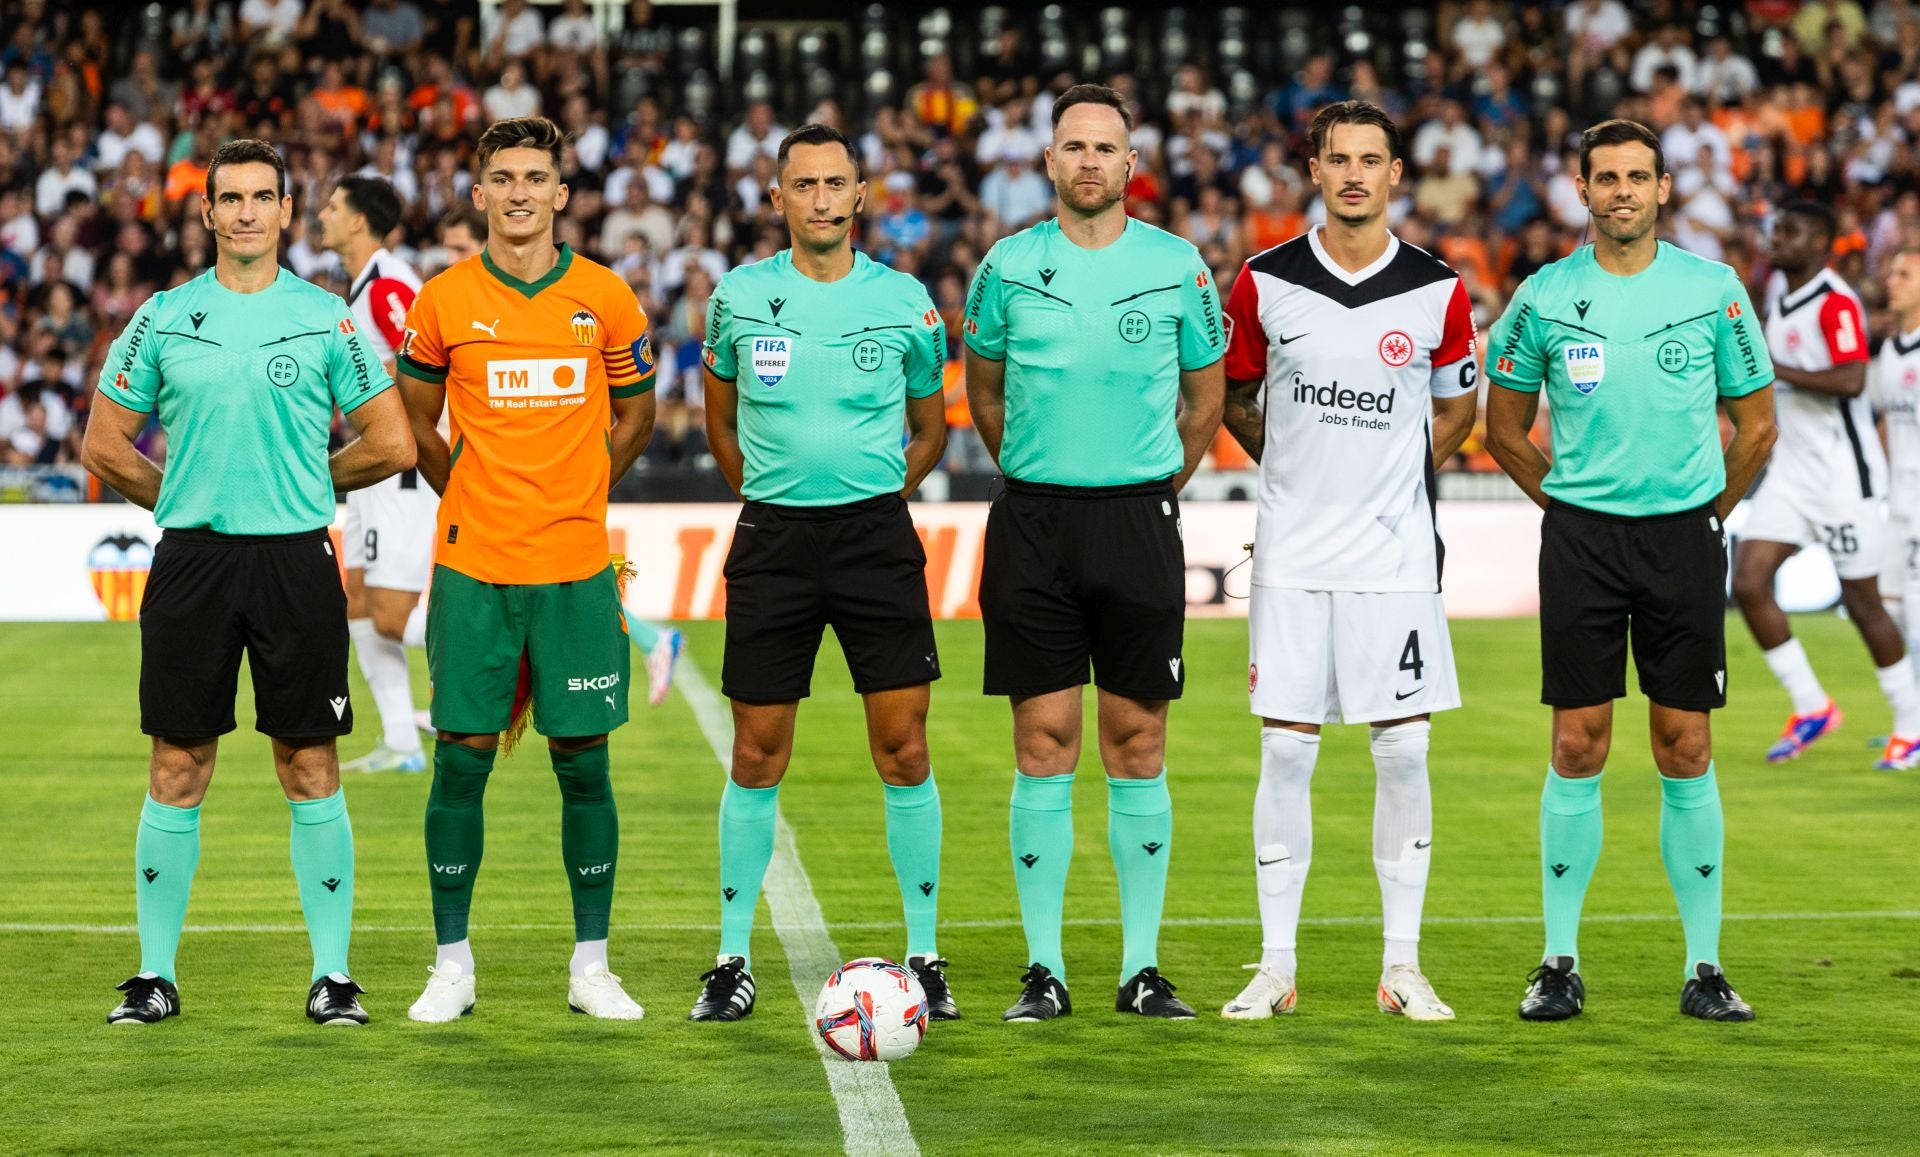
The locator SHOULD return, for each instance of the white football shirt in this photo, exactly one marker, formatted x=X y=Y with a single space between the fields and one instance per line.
x=1896 y=397
x=1827 y=444
x=1351 y=364
x=381 y=297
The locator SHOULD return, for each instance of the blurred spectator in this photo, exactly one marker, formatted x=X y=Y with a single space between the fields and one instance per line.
x=1014 y=194
x=270 y=22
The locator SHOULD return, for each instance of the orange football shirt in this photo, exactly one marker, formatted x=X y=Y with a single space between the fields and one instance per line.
x=530 y=370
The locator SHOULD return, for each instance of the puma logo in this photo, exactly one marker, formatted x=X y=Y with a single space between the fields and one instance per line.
x=488 y=329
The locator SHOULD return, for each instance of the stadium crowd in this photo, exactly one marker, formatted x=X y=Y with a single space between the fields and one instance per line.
x=106 y=123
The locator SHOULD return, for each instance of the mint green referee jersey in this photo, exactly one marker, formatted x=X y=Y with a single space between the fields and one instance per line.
x=824 y=371
x=1095 y=341
x=1633 y=367
x=245 y=385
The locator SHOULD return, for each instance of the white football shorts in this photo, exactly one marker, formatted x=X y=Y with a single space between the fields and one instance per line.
x=389 y=532
x=1851 y=529
x=1349 y=656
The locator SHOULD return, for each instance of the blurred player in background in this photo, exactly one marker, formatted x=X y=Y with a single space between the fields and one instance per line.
x=245 y=365
x=1826 y=487
x=1632 y=546
x=389 y=527
x=542 y=358
x=1896 y=398
x=1094 y=347
x=1351 y=358
x=837 y=353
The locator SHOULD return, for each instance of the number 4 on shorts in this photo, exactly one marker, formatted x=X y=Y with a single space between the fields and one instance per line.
x=1410 y=656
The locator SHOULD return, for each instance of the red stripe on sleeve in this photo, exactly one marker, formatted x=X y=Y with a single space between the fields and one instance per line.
x=1456 y=332
x=1844 y=329
x=1246 y=336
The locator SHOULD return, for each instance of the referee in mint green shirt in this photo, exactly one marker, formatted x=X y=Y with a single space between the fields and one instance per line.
x=245 y=365
x=1095 y=376
x=816 y=359
x=1637 y=344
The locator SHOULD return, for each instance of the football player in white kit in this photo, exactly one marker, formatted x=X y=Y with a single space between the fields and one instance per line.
x=390 y=525
x=1351 y=365
x=1826 y=486
x=1895 y=392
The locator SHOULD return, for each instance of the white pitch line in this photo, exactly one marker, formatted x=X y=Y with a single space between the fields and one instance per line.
x=869 y=925
x=872 y=1120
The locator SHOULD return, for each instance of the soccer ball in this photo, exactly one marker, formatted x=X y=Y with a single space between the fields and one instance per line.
x=871 y=1010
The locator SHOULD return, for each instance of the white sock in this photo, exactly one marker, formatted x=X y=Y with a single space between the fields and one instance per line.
x=1903 y=694
x=459 y=952
x=1789 y=664
x=415 y=634
x=1402 y=835
x=1283 y=839
x=384 y=664
x=587 y=952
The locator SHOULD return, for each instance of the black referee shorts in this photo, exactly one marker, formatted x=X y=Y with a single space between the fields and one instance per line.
x=792 y=571
x=1078 y=573
x=1661 y=580
x=277 y=597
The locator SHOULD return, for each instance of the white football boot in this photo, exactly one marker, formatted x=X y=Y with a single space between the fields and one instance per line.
x=1403 y=990
x=449 y=995
x=598 y=993
x=1266 y=994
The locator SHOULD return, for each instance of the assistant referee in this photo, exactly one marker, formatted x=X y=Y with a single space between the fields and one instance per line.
x=1095 y=376
x=815 y=359
x=245 y=365
x=1637 y=342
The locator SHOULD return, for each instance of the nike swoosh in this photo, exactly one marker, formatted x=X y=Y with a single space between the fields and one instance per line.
x=1290 y=340
x=1408 y=695
x=1268 y=863
x=1418 y=844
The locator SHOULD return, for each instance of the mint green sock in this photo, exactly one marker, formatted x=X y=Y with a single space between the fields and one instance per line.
x=643 y=633
x=1692 y=837
x=747 y=817
x=1041 y=832
x=166 y=850
x=589 y=836
x=1570 y=830
x=913 y=844
x=456 y=834
x=1140 y=836
x=321 y=844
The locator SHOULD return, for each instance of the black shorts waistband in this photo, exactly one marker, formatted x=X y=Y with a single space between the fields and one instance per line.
x=202 y=537
x=877 y=503
x=1632 y=519
x=1159 y=488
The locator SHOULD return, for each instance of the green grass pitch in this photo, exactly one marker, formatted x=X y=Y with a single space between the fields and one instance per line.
x=1821 y=938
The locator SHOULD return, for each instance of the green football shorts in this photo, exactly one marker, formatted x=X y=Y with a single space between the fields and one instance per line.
x=573 y=635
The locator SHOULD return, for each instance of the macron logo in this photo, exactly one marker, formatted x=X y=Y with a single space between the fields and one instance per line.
x=1174 y=666
x=339 y=706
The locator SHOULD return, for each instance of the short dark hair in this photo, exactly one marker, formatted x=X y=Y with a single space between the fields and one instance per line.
x=474 y=220
x=1092 y=94
x=375 y=199
x=1620 y=131
x=817 y=134
x=521 y=133
x=1354 y=112
x=1821 y=216
x=248 y=151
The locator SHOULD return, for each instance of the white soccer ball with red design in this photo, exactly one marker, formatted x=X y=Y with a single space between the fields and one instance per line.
x=871 y=1010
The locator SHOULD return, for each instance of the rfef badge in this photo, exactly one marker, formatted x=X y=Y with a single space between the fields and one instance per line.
x=1586 y=365
x=771 y=356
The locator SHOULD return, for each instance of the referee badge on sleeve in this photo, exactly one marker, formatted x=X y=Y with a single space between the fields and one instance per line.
x=1586 y=365
x=771 y=356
